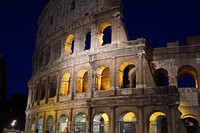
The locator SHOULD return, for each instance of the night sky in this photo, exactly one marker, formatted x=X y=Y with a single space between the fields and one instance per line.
x=158 y=21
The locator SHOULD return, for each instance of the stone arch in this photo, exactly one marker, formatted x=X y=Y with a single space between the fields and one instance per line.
x=80 y=122
x=43 y=90
x=102 y=33
x=127 y=122
x=82 y=81
x=40 y=125
x=62 y=123
x=69 y=44
x=72 y=4
x=127 y=75
x=47 y=55
x=191 y=123
x=102 y=78
x=65 y=84
x=33 y=126
x=50 y=124
x=158 y=123
x=52 y=86
x=101 y=123
x=57 y=50
x=87 y=40
x=161 y=77
x=187 y=75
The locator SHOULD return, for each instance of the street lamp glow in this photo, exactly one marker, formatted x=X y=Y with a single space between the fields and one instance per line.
x=13 y=123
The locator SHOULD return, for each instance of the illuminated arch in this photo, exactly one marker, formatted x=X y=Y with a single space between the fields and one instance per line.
x=187 y=73
x=101 y=123
x=50 y=124
x=69 y=44
x=127 y=75
x=80 y=122
x=158 y=123
x=161 y=77
x=62 y=122
x=82 y=81
x=191 y=123
x=127 y=118
x=102 y=27
x=103 y=78
x=65 y=85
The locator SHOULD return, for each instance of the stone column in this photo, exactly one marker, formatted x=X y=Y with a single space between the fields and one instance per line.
x=141 y=120
x=140 y=69
x=113 y=74
x=112 y=120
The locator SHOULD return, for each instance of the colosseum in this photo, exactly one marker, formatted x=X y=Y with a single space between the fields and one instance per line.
x=88 y=77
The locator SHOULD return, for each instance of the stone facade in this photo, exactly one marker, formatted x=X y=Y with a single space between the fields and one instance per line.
x=90 y=84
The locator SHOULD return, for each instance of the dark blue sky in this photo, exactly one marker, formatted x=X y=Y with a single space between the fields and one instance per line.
x=156 y=20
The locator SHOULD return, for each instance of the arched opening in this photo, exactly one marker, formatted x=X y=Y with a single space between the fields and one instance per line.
x=33 y=125
x=43 y=90
x=36 y=93
x=82 y=81
x=47 y=55
x=49 y=124
x=158 y=123
x=52 y=86
x=191 y=124
x=40 y=125
x=126 y=123
x=57 y=50
x=103 y=78
x=80 y=123
x=88 y=41
x=105 y=33
x=161 y=77
x=101 y=123
x=127 y=75
x=62 y=123
x=65 y=84
x=72 y=5
x=69 y=44
x=187 y=77
x=40 y=60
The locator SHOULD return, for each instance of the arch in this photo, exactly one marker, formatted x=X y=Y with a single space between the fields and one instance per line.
x=187 y=77
x=101 y=123
x=49 y=124
x=72 y=5
x=127 y=122
x=69 y=44
x=161 y=77
x=40 y=125
x=57 y=50
x=40 y=62
x=105 y=33
x=191 y=123
x=80 y=122
x=82 y=81
x=47 y=55
x=33 y=125
x=43 y=90
x=62 y=123
x=88 y=41
x=127 y=75
x=65 y=84
x=103 y=78
x=158 y=123
x=52 y=86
